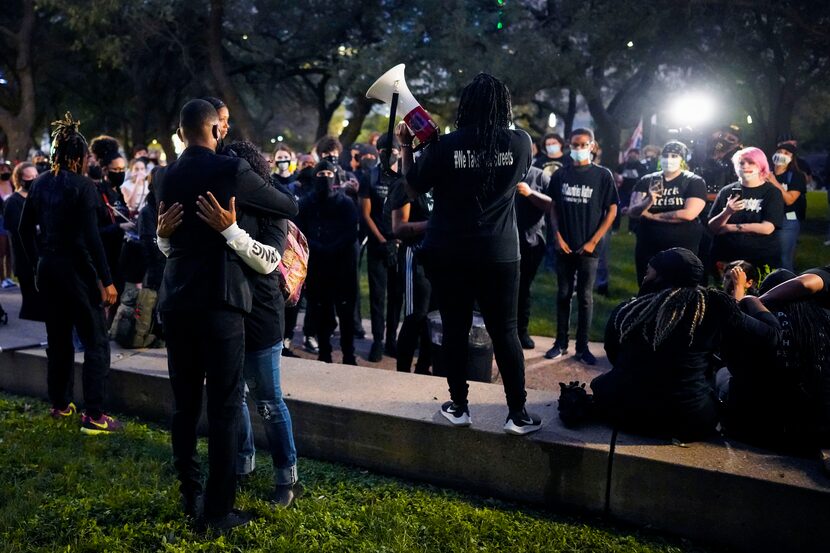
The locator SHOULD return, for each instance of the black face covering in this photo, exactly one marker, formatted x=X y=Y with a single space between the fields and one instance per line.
x=95 y=172
x=26 y=184
x=6 y=176
x=331 y=159
x=324 y=187
x=115 y=179
x=367 y=163
x=144 y=159
x=42 y=167
x=305 y=175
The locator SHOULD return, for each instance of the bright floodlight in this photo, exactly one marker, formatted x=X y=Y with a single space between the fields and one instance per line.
x=552 y=120
x=692 y=110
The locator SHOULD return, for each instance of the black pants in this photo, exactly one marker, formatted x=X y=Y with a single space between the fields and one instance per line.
x=649 y=244
x=531 y=258
x=331 y=285
x=415 y=329
x=582 y=269
x=73 y=299
x=291 y=314
x=457 y=285
x=206 y=346
x=384 y=293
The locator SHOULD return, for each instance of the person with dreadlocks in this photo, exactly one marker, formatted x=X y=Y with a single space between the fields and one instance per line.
x=660 y=345
x=776 y=392
x=471 y=246
x=59 y=234
x=668 y=205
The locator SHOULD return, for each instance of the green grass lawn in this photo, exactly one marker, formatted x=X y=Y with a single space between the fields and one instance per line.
x=62 y=491
x=811 y=252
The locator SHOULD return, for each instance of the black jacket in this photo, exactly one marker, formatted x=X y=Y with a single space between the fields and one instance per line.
x=202 y=272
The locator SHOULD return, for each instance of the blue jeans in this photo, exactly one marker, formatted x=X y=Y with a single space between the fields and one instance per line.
x=262 y=375
x=789 y=238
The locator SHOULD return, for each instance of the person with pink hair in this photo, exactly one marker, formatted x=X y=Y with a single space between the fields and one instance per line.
x=747 y=215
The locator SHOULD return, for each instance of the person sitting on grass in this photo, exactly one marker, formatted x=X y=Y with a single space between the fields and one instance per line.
x=660 y=344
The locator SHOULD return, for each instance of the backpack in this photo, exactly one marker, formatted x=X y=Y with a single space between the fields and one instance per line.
x=133 y=322
x=293 y=267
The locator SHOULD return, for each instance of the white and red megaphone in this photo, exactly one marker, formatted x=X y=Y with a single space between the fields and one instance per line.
x=416 y=118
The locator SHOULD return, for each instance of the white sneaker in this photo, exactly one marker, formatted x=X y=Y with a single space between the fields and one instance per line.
x=8 y=283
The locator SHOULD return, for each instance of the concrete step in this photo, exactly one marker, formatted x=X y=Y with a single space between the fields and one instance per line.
x=719 y=492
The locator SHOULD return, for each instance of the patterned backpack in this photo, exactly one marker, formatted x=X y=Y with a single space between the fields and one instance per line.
x=293 y=266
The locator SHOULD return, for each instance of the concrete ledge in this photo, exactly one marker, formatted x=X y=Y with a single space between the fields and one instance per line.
x=723 y=493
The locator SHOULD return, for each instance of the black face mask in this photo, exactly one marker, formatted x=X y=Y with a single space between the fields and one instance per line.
x=332 y=159
x=144 y=159
x=95 y=172
x=26 y=184
x=393 y=159
x=324 y=187
x=42 y=167
x=115 y=179
x=6 y=176
x=367 y=164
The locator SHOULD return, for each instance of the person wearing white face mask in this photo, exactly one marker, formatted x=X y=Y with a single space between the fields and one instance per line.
x=668 y=204
x=746 y=216
x=552 y=157
x=791 y=181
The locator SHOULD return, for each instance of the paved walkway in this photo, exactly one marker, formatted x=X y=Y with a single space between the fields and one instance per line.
x=540 y=373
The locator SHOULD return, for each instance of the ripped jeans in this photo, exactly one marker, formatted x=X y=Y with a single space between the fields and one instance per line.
x=262 y=375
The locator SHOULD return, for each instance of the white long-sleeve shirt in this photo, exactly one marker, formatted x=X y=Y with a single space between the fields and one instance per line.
x=256 y=255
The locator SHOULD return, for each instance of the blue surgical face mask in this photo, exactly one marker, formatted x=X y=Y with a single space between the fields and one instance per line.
x=553 y=149
x=580 y=155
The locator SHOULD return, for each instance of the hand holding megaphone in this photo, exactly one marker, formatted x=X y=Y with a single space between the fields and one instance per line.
x=416 y=117
x=403 y=133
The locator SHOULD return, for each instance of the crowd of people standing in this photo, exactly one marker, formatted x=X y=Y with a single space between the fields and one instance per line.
x=194 y=247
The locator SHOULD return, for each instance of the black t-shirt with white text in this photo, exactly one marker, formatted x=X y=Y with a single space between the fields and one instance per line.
x=582 y=196
x=761 y=203
x=469 y=221
x=675 y=193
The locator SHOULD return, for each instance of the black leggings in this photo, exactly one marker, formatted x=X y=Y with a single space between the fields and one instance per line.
x=457 y=285
x=415 y=328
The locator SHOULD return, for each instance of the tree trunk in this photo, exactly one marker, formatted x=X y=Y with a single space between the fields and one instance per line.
x=607 y=130
x=570 y=114
x=20 y=125
x=361 y=107
x=166 y=143
x=241 y=116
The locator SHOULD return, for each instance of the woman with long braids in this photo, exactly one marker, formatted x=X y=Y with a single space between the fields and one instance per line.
x=59 y=223
x=471 y=246
x=661 y=345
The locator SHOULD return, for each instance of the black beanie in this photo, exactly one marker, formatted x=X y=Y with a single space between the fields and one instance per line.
x=678 y=267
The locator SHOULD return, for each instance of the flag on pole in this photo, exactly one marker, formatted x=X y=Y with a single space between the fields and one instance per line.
x=636 y=141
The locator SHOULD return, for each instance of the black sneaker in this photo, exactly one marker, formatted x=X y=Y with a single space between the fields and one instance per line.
x=359 y=333
x=526 y=341
x=602 y=290
x=376 y=353
x=350 y=360
x=193 y=504
x=456 y=414
x=556 y=352
x=520 y=423
x=585 y=356
x=310 y=344
x=284 y=496
x=391 y=349
x=230 y=521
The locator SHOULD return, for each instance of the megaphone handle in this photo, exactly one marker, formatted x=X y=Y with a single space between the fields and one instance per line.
x=393 y=109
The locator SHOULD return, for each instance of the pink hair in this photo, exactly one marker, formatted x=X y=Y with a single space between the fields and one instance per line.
x=756 y=156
